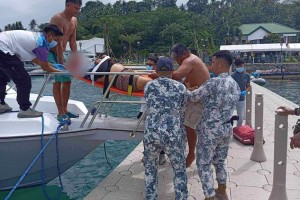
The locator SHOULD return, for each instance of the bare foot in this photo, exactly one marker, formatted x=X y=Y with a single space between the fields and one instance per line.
x=189 y=160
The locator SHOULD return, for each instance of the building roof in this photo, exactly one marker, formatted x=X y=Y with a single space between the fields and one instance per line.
x=94 y=45
x=248 y=29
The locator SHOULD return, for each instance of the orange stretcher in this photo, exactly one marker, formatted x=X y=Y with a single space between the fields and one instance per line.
x=112 y=89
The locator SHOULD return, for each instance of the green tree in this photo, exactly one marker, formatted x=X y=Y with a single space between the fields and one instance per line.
x=32 y=25
x=106 y=23
x=130 y=40
x=42 y=26
x=172 y=31
x=197 y=6
x=166 y=3
x=272 y=38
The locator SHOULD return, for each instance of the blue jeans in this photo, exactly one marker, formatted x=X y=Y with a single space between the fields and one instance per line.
x=240 y=109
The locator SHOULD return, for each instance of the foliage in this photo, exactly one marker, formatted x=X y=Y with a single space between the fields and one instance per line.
x=200 y=24
x=15 y=26
x=272 y=38
x=33 y=25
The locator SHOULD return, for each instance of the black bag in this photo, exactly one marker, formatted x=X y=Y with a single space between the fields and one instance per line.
x=296 y=127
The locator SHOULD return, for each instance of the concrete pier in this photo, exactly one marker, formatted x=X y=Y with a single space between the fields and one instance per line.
x=247 y=180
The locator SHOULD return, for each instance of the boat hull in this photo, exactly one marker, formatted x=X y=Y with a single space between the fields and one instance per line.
x=20 y=140
x=17 y=154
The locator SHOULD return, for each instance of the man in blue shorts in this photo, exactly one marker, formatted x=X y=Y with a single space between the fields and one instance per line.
x=59 y=81
x=67 y=22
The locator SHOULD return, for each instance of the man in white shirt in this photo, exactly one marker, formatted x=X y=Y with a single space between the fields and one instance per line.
x=18 y=46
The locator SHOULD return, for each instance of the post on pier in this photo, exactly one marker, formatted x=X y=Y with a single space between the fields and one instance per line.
x=280 y=158
x=249 y=107
x=258 y=153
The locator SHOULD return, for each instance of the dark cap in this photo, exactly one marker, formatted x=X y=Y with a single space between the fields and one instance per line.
x=53 y=28
x=164 y=64
x=239 y=62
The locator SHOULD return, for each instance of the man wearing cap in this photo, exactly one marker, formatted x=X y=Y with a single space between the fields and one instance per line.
x=17 y=46
x=243 y=79
x=166 y=101
x=219 y=96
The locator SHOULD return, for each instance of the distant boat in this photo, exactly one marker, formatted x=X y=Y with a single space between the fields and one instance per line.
x=255 y=78
x=280 y=72
x=259 y=81
x=283 y=75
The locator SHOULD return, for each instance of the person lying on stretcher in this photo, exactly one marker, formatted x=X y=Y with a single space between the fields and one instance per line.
x=121 y=82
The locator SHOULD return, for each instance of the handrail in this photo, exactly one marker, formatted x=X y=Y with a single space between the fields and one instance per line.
x=41 y=91
x=104 y=97
x=98 y=104
x=86 y=73
x=139 y=72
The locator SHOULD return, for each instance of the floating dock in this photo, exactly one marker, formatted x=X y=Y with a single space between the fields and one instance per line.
x=247 y=180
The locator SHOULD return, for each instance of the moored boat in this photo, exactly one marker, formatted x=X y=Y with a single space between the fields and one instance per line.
x=20 y=139
x=259 y=81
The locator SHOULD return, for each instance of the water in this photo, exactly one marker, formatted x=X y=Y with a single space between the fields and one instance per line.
x=83 y=177
x=288 y=89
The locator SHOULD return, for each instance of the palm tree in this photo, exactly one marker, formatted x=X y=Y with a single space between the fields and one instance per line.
x=130 y=39
x=107 y=22
x=32 y=25
x=172 y=30
x=7 y=27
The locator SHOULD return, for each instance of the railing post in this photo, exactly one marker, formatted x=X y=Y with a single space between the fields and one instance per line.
x=47 y=78
x=258 y=153
x=249 y=107
x=280 y=154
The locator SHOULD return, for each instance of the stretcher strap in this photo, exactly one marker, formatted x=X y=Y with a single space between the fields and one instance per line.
x=130 y=83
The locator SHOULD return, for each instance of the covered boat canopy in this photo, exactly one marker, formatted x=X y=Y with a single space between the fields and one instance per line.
x=261 y=47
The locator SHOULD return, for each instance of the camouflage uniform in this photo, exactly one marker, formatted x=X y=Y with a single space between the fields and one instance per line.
x=219 y=96
x=165 y=100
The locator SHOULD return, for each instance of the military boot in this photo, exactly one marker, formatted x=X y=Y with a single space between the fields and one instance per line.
x=221 y=192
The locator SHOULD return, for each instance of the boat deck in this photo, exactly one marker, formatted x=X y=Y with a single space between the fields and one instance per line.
x=247 y=180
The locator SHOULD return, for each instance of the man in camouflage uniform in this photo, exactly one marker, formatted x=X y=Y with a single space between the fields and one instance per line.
x=166 y=101
x=219 y=96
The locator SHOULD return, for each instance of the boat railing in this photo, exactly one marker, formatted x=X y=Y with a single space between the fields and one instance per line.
x=98 y=106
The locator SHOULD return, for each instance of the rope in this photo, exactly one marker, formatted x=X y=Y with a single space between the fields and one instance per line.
x=36 y=158
x=106 y=156
x=57 y=162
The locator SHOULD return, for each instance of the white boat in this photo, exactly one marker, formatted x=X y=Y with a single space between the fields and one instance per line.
x=20 y=139
x=259 y=81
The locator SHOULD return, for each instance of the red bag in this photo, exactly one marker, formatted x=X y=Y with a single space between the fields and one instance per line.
x=244 y=134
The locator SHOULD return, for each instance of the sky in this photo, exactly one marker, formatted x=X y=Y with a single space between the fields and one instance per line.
x=40 y=10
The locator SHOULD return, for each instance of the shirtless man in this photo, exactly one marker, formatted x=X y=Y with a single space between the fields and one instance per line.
x=67 y=22
x=195 y=73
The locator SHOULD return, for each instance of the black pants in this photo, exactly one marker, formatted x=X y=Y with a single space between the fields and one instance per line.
x=11 y=67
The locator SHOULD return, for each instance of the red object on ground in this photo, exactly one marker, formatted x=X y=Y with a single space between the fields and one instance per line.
x=244 y=134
